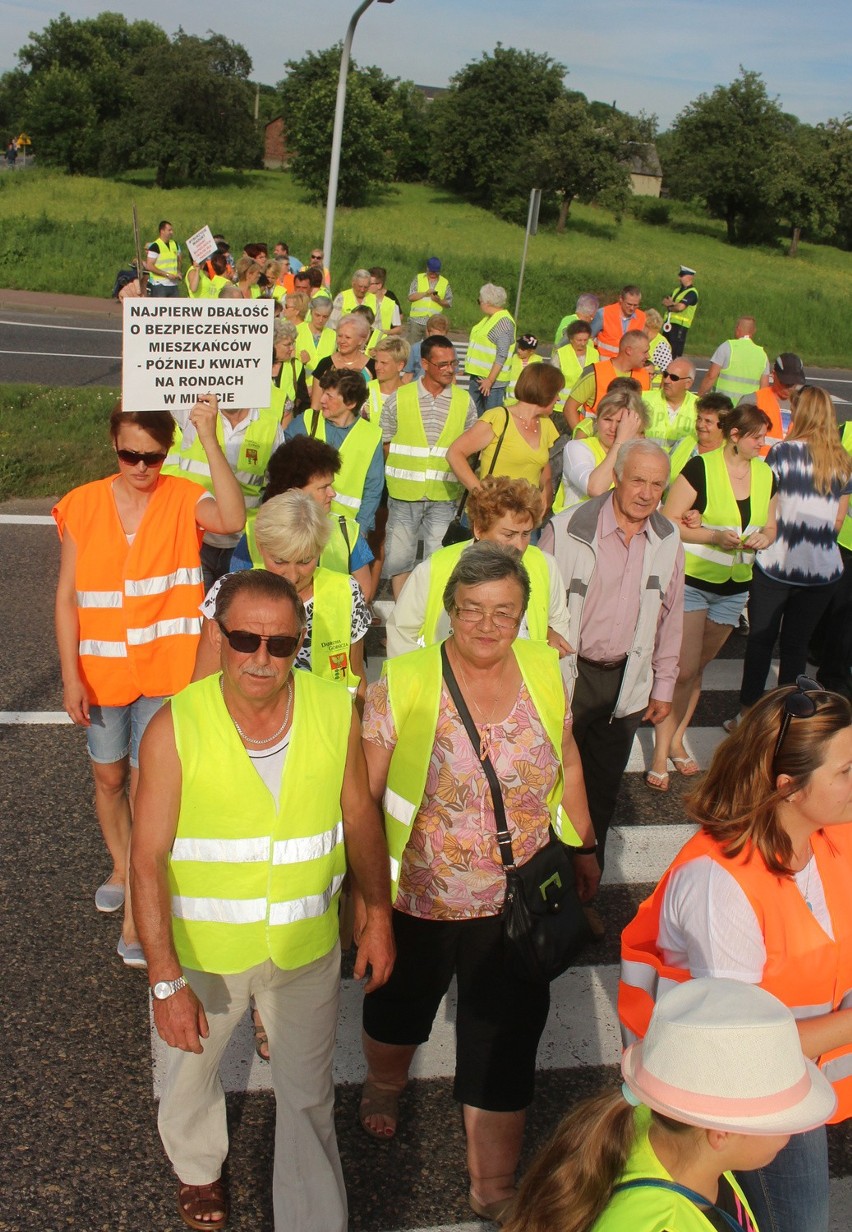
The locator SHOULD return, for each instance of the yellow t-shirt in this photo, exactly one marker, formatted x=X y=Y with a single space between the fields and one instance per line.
x=517 y=458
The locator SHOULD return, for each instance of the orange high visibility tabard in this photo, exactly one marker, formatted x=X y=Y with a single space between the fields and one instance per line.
x=137 y=603
x=605 y=374
x=609 y=339
x=766 y=400
x=805 y=969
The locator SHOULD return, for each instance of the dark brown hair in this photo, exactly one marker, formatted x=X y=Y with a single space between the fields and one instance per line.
x=158 y=424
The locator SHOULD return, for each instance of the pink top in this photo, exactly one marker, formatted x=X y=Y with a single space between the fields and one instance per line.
x=451 y=868
x=611 y=609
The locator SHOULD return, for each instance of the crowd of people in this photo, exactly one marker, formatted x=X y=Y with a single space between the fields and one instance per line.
x=568 y=542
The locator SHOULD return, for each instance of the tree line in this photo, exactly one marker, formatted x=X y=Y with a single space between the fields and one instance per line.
x=103 y=95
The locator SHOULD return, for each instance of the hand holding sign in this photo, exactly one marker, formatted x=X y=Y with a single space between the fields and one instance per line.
x=203 y=417
x=202 y=245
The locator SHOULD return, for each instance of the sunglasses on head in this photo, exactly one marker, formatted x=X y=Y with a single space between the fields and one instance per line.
x=797 y=705
x=280 y=646
x=132 y=457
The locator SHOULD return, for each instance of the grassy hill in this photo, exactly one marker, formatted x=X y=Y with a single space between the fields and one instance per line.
x=71 y=234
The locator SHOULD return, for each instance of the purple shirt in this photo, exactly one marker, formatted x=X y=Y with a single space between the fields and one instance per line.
x=611 y=609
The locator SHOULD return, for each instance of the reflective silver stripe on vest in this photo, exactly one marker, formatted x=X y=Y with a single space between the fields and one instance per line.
x=351 y=502
x=645 y=977
x=159 y=585
x=713 y=555
x=846 y=1002
x=164 y=628
x=400 y=808
x=300 y=850
x=838 y=1069
x=99 y=598
x=222 y=850
x=410 y=451
x=104 y=650
x=441 y=476
x=192 y=465
x=219 y=910
x=752 y=382
x=394 y=869
x=811 y=1011
x=308 y=908
x=395 y=473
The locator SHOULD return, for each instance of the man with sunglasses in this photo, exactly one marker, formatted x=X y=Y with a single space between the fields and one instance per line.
x=253 y=798
x=672 y=409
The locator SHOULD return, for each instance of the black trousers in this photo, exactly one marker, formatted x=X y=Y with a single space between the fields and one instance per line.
x=774 y=606
x=831 y=644
x=604 y=742
x=676 y=338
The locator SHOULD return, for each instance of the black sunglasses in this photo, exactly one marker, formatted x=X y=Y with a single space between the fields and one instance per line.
x=280 y=646
x=798 y=705
x=133 y=458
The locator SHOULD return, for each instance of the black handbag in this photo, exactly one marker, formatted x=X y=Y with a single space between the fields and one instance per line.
x=544 y=924
x=457 y=532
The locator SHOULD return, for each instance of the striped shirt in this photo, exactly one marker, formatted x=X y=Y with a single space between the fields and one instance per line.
x=805 y=551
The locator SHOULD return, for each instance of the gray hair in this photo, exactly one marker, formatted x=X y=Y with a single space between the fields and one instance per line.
x=261 y=585
x=638 y=445
x=292 y=526
x=486 y=562
x=322 y=302
x=361 y=273
x=493 y=295
x=283 y=331
x=359 y=321
x=587 y=303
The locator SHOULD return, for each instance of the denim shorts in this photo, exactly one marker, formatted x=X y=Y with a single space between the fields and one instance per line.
x=116 y=731
x=721 y=609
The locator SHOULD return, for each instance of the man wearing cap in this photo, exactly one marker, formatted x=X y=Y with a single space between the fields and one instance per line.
x=739 y=367
x=429 y=293
x=610 y=324
x=787 y=375
x=682 y=305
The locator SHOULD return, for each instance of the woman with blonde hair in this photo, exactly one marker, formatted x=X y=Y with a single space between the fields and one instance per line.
x=352 y=334
x=796 y=576
x=761 y=895
x=295 y=307
x=248 y=272
x=502 y=511
x=588 y=462
x=529 y=434
x=719 y=1083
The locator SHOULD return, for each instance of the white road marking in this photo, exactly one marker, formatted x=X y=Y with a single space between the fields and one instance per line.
x=26 y=519
x=75 y=329
x=60 y=355
x=24 y=718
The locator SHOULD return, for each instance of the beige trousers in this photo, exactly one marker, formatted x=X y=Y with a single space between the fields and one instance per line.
x=299 y=1011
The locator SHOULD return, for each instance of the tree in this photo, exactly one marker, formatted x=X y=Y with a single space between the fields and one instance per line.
x=372 y=126
x=579 y=156
x=725 y=149
x=482 y=128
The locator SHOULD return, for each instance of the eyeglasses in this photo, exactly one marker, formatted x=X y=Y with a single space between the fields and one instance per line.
x=476 y=616
x=132 y=458
x=797 y=705
x=280 y=646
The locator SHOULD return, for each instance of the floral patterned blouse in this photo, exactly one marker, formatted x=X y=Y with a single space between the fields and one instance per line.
x=451 y=867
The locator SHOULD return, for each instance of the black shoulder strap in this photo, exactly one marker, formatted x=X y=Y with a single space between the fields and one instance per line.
x=344 y=530
x=504 y=839
x=315 y=417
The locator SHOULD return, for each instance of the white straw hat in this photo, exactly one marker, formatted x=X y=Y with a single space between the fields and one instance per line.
x=721 y=1054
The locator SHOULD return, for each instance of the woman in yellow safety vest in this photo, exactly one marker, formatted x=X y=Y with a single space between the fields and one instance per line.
x=324 y=339
x=588 y=462
x=723 y=503
x=660 y=1154
x=295 y=310
x=289 y=394
x=248 y=273
x=352 y=334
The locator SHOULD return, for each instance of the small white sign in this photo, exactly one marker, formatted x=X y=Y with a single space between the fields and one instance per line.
x=202 y=245
x=173 y=350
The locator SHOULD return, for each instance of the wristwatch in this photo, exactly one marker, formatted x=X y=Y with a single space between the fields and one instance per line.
x=167 y=988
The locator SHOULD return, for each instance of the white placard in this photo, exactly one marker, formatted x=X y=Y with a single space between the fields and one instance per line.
x=202 y=245
x=173 y=350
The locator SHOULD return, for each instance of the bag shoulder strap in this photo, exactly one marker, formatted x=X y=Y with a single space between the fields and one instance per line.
x=315 y=417
x=652 y=1182
x=466 y=494
x=344 y=530
x=504 y=839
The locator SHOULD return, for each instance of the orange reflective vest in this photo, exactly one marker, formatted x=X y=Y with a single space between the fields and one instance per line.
x=767 y=401
x=605 y=373
x=804 y=968
x=609 y=339
x=137 y=603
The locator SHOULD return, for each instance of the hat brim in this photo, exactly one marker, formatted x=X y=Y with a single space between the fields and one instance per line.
x=810 y=1112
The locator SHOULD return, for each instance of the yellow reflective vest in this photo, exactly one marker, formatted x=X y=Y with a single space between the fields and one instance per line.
x=251 y=879
x=441 y=565
x=662 y=428
x=567 y=498
x=414 y=693
x=844 y=537
x=685 y=317
x=187 y=457
x=745 y=369
x=349 y=302
x=414 y=469
x=707 y=561
x=422 y=309
x=356 y=453
x=481 y=351
x=515 y=367
x=336 y=554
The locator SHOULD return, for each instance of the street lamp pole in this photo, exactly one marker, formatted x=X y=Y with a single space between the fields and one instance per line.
x=337 y=135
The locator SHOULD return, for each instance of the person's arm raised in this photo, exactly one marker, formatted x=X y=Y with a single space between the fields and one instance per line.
x=225 y=512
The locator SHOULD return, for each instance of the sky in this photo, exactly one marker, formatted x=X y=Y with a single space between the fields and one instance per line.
x=655 y=55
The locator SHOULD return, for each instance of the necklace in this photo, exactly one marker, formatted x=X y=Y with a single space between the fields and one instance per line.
x=529 y=424
x=266 y=739
x=485 y=727
x=806 y=893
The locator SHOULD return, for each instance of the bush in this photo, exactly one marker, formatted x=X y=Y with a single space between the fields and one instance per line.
x=652 y=210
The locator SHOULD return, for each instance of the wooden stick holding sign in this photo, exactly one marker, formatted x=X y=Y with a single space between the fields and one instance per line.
x=141 y=270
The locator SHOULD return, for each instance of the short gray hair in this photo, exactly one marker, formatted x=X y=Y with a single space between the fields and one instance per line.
x=486 y=562
x=292 y=526
x=587 y=302
x=359 y=320
x=638 y=445
x=361 y=273
x=493 y=295
x=283 y=330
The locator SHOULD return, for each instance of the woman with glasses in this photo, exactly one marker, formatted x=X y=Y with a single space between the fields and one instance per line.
x=724 y=505
x=448 y=879
x=795 y=577
x=762 y=894
x=127 y=621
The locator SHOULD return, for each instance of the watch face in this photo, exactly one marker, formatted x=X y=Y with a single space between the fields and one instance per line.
x=162 y=990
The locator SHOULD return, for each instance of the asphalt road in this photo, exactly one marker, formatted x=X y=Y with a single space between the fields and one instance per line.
x=85 y=349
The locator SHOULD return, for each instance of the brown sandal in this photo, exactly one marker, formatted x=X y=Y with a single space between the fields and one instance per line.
x=261 y=1039
x=378 y=1101
x=194 y=1201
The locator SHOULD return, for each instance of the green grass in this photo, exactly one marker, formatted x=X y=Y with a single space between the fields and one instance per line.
x=71 y=234
x=51 y=440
